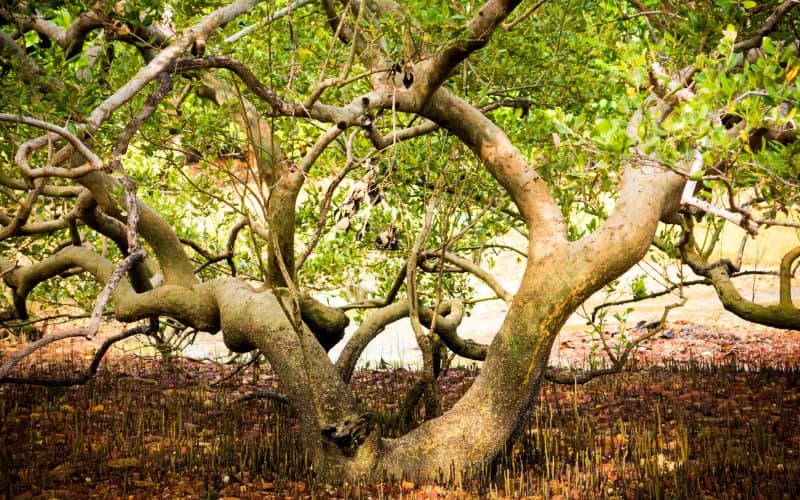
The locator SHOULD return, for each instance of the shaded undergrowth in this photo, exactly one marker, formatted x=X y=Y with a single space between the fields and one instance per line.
x=151 y=430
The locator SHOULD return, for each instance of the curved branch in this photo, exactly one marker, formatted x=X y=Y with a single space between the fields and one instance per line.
x=781 y=315
x=786 y=276
x=505 y=162
x=447 y=329
x=81 y=379
x=63 y=222
x=84 y=150
x=229 y=248
x=474 y=269
x=48 y=190
x=70 y=39
x=193 y=307
x=648 y=194
x=668 y=290
x=450 y=316
x=24 y=211
x=18 y=356
x=243 y=72
x=510 y=25
x=384 y=141
x=373 y=325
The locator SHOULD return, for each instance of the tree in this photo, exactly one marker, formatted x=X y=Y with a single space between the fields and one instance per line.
x=141 y=134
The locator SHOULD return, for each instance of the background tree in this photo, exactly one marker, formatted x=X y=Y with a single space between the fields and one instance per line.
x=219 y=165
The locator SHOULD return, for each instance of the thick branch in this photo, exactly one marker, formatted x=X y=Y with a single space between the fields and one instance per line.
x=781 y=315
x=505 y=162
x=769 y=25
x=193 y=307
x=29 y=70
x=786 y=276
x=450 y=316
x=432 y=72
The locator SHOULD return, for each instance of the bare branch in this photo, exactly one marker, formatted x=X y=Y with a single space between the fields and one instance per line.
x=423 y=340
x=229 y=249
x=146 y=329
x=447 y=329
x=166 y=57
x=121 y=146
x=320 y=87
x=64 y=221
x=786 y=276
x=474 y=269
x=769 y=25
x=24 y=211
x=193 y=307
x=319 y=147
x=447 y=321
x=525 y=15
x=135 y=256
x=570 y=376
x=781 y=315
x=269 y=19
x=688 y=199
x=342 y=116
x=18 y=184
x=384 y=141
x=71 y=39
x=431 y=73
x=84 y=150
x=18 y=356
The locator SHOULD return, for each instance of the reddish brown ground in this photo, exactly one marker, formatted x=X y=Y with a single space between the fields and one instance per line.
x=146 y=429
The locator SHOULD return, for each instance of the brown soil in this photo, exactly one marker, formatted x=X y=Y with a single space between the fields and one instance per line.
x=724 y=425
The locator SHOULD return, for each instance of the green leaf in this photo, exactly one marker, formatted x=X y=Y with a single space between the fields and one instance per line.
x=697 y=176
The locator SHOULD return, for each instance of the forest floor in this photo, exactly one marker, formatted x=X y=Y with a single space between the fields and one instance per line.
x=706 y=411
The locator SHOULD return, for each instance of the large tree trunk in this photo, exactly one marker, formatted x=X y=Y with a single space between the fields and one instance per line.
x=491 y=413
x=333 y=430
x=339 y=436
x=341 y=440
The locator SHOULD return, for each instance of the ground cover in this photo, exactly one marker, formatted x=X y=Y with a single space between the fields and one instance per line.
x=723 y=424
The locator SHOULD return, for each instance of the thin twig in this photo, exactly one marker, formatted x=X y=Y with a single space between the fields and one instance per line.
x=270 y=18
